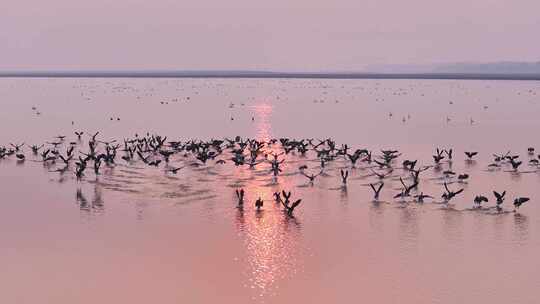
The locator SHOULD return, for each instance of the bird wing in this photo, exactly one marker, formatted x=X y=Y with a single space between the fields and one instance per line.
x=379 y=163
x=295 y=204
x=408 y=189
x=523 y=199
x=141 y=156
x=401 y=180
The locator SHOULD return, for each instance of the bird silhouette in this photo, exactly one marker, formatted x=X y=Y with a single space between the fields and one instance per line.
x=479 y=199
x=376 y=191
x=448 y=195
x=520 y=201
x=470 y=155
x=259 y=203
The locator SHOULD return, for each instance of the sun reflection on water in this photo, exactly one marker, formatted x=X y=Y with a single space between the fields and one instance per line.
x=271 y=238
x=263 y=127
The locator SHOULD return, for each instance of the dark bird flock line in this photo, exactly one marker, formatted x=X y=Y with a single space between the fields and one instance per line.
x=157 y=151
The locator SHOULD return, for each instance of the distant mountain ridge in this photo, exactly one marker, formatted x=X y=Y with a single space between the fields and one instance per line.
x=503 y=67
x=498 y=67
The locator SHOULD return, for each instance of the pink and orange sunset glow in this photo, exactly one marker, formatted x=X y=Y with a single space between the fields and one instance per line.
x=266 y=152
x=263 y=35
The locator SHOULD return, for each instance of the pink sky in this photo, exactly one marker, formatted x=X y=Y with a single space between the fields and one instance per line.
x=272 y=35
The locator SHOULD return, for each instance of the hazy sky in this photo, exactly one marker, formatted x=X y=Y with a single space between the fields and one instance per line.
x=252 y=34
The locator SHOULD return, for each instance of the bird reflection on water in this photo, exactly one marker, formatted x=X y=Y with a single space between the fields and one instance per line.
x=96 y=206
x=521 y=226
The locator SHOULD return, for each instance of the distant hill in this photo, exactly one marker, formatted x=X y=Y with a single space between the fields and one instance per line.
x=507 y=67
x=498 y=67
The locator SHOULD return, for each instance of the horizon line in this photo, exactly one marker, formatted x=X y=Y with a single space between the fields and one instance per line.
x=263 y=74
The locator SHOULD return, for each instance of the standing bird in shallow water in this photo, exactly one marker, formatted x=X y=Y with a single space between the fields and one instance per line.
x=470 y=155
x=66 y=159
x=520 y=201
x=449 y=154
x=36 y=148
x=166 y=154
x=259 y=203
x=81 y=166
x=17 y=147
x=344 y=176
x=240 y=195
x=478 y=201
x=462 y=178
x=97 y=165
x=287 y=196
x=312 y=176
x=500 y=199
x=20 y=157
x=79 y=134
x=290 y=209
x=376 y=191
x=448 y=195
x=406 y=191
x=409 y=164
x=515 y=164
x=354 y=158
x=154 y=163
x=437 y=158
x=420 y=197
x=277 y=197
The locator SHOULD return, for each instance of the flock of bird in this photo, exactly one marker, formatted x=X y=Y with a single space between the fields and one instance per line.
x=155 y=150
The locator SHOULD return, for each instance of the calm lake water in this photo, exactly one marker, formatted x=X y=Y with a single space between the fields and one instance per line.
x=136 y=234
